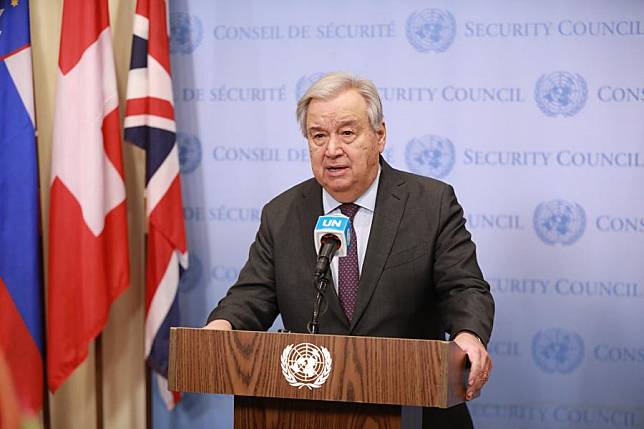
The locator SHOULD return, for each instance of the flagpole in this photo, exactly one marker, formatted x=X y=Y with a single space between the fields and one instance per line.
x=46 y=412
x=148 y=397
x=98 y=379
x=148 y=372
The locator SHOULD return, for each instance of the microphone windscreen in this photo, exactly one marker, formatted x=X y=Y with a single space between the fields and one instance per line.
x=337 y=225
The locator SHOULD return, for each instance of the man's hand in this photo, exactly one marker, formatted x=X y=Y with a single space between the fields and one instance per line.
x=481 y=363
x=219 y=325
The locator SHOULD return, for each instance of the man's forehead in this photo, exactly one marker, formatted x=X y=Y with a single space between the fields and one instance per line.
x=326 y=119
x=345 y=107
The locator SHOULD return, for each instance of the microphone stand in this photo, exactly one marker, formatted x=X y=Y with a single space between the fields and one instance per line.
x=321 y=283
x=330 y=244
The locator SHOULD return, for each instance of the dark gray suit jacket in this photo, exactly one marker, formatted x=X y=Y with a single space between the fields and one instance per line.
x=420 y=277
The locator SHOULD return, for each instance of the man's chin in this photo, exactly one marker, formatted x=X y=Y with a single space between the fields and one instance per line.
x=343 y=194
x=337 y=186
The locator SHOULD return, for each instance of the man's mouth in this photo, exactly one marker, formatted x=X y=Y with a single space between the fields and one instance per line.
x=335 y=170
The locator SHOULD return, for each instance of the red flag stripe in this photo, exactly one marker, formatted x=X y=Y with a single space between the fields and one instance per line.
x=164 y=237
x=14 y=52
x=166 y=211
x=159 y=256
x=155 y=12
x=150 y=106
x=142 y=7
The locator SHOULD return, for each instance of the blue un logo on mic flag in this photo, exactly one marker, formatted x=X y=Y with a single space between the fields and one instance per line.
x=337 y=225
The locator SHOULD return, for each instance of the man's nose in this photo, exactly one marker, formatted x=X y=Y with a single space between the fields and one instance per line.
x=333 y=146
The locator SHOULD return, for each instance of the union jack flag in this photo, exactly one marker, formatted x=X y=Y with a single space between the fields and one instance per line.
x=149 y=124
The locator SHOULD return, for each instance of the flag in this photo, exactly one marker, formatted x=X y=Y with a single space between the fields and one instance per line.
x=88 y=247
x=20 y=274
x=149 y=124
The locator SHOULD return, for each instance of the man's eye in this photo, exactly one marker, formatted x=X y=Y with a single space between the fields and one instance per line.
x=347 y=133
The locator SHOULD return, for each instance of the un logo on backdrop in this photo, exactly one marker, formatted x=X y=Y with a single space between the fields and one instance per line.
x=185 y=33
x=561 y=93
x=190 y=277
x=189 y=152
x=559 y=221
x=305 y=83
x=431 y=30
x=430 y=155
x=557 y=351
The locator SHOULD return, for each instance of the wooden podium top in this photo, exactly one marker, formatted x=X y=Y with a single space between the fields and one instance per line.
x=283 y=365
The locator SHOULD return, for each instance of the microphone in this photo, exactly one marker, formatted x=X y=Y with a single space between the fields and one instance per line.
x=332 y=236
x=330 y=243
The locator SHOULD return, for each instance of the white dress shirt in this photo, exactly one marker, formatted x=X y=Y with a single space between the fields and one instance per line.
x=361 y=221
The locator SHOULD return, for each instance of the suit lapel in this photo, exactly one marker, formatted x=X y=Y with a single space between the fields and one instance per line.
x=309 y=212
x=390 y=205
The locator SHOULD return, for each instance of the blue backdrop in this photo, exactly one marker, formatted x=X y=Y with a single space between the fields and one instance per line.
x=534 y=111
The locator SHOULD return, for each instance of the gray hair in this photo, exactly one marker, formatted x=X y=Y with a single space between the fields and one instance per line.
x=330 y=86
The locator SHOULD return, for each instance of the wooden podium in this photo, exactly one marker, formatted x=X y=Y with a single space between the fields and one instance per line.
x=284 y=380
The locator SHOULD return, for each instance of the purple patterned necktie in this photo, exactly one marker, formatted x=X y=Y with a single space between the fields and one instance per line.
x=348 y=273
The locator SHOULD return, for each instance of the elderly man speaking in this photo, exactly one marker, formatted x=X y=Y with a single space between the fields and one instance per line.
x=410 y=269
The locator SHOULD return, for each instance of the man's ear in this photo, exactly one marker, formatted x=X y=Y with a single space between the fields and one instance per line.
x=381 y=132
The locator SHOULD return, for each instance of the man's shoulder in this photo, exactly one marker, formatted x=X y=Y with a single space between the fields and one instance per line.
x=415 y=182
x=306 y=189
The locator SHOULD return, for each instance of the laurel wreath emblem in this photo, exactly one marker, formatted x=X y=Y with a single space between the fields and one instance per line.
x=292 y=379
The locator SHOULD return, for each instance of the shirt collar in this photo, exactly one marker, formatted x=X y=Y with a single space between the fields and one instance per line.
x=365 y=201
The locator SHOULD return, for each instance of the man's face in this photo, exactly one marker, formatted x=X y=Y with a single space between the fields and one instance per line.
x=344 y=149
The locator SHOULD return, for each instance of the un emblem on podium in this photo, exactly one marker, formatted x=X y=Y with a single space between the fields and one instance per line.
x=430 y=155
x=561 y=93
x=431 y=30
x=559 y=221
x=306 y=365
x=557 y=351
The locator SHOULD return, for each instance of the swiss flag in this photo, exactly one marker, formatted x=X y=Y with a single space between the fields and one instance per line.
x=88 y=249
